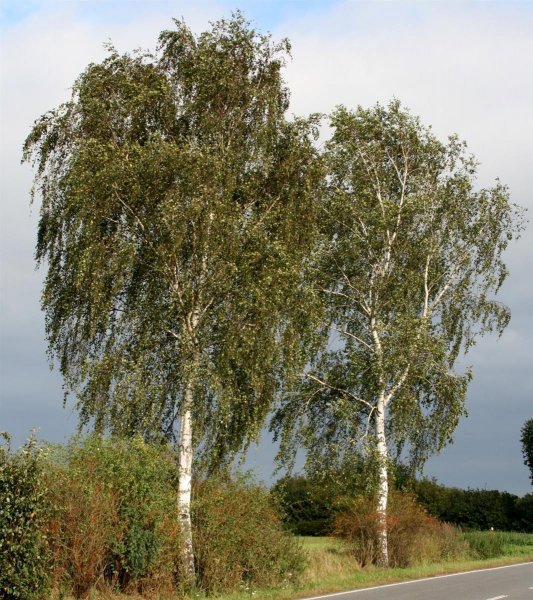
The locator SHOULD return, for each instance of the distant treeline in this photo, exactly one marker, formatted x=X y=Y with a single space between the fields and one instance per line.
x=310 y=507
x=476 y=509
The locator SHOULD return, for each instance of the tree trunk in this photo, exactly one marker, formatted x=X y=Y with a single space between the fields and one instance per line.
x=383 y=484
x=185 y=454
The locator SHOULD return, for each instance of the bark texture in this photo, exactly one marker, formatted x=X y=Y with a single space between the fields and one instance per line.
x=185 y=454
x=383 y=482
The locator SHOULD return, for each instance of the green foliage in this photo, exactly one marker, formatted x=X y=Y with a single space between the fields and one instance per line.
x=411 y=257
x=526 y=440
x=492 y=544
x=524 y=509
x=485 y=544
x=115 y=520
x=177 y=208
x=414 y=537
x=307 y=509
x=24 y=508
x=513 y=543
x=239 y=539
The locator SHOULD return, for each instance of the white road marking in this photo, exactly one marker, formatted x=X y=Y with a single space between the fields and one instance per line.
x=416 y=581
x=497 y=597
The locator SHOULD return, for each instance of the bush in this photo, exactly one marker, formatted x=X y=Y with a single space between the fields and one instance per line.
x=524 y=509
x=100 y=515
x=238 y=537
x=414 y=537
x=24 y=568
x=115 y=523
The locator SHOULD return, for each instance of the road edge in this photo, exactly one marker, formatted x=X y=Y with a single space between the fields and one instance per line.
x=415 y=580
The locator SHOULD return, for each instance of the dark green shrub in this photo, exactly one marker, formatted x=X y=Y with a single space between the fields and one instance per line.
x=238 y=537
x=24 y=568
x=475 y=509
x=524 y=513
x=526 y=439
x=312 y=527
x=306 y=507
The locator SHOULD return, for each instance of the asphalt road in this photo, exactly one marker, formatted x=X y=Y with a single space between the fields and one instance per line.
x=514 y=582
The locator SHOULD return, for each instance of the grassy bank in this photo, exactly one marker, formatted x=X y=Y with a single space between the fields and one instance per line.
x=331 y=569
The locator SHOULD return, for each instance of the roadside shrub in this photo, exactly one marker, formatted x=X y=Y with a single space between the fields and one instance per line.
x=99 y=516
x=115 y=523
x=24 y=568
x=414 y=537
x=238 y=537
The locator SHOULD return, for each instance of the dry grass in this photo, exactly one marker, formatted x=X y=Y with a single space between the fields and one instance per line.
x=327 y=559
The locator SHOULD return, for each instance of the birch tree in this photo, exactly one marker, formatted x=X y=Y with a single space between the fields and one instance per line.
x=412 y=257
x=177 y=208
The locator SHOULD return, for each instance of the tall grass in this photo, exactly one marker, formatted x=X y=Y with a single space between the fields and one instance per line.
x=492 y=544
x=327 y=559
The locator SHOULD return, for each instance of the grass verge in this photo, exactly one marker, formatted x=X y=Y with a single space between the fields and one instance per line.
x=330 y=569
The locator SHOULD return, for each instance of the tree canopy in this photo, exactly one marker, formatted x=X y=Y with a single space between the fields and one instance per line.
x=412 y=255
x=176 y=209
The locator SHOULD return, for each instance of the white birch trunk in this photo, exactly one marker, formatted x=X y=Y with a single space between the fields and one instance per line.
x=383 y=483
x=185 y=455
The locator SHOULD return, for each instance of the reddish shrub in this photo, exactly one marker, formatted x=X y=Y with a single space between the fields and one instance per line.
x=414 y=537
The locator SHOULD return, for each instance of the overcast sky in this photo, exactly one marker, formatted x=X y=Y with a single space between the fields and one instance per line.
x=464 y=67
